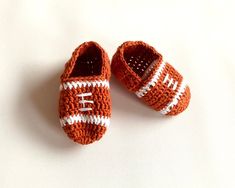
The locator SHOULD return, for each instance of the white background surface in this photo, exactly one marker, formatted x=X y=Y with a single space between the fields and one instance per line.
x=141 y=148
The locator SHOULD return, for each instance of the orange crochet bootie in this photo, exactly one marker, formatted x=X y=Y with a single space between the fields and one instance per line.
x=143 y=71
x=85 y=104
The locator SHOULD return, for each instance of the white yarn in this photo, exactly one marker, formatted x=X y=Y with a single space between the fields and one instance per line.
x=80 y=84
x=92 y=119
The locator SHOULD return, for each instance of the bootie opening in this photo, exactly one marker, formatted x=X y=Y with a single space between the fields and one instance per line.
x=140 y=59
x=89 y=61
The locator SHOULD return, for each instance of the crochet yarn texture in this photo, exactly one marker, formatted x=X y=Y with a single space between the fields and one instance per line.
x=142 y=70
x=85 y=104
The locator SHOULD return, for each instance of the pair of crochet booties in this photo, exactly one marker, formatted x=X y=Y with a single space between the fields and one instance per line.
x=85 y=102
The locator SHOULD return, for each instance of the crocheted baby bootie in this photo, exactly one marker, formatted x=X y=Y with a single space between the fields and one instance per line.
x=85 y=104
x=143 y=71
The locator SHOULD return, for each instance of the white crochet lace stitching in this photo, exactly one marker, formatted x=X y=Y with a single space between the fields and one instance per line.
x=84 y=101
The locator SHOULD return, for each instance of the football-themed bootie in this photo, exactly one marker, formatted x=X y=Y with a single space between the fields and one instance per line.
x=85 y=104
x=142 y=70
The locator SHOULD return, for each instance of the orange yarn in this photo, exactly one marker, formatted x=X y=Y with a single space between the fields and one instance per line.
x=85 y=104
x=141 y=69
